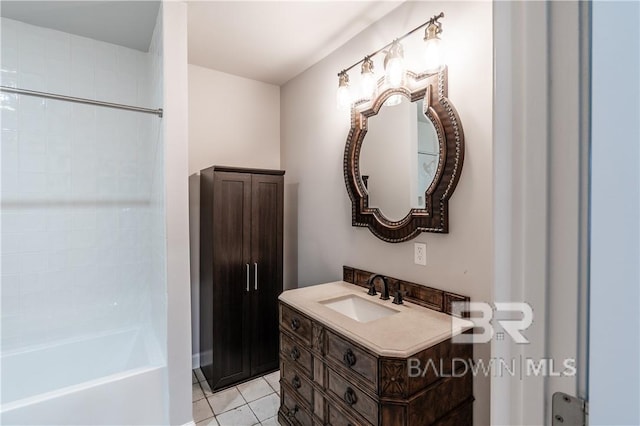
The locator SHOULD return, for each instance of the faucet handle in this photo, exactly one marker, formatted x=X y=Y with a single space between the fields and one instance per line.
x=372 y=290
x=372 y=285
x=397 y=299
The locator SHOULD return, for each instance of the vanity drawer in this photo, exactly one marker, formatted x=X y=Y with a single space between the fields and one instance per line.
x=296 y=324
x=336 y=418
x=353 y=398
x=298 y=382
x=292 y=410
x=295 y=353
x=363 y=364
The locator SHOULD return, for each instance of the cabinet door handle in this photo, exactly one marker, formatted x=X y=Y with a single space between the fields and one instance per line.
x=296 y=382
x=293 y=411
x=295 y=324
x=349 y=358
x=350 y=396
x=255 y=277
x=247 y=277
x=295 y=353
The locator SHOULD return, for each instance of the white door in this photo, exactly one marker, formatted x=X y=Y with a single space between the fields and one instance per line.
x=542 y=192
x=614 y=355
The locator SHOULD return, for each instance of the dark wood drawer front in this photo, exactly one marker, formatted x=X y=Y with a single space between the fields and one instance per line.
x=296 y=354
x=460 y=416
x=298 y=382
x=293 y=410
x=353 y=398
x=440 y=399
x=351 y=357
x=296 y=324
x=336 y=418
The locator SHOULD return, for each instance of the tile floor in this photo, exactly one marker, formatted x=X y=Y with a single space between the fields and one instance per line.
x=255 y=402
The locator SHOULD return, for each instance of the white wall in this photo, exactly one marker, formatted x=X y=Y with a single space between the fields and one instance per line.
x=319 y=237
x=233 y=121
x=176 y=131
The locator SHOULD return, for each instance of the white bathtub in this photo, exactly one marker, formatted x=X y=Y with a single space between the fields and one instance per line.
x=115 y=378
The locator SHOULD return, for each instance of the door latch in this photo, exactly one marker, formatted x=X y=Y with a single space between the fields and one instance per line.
x=568 y=410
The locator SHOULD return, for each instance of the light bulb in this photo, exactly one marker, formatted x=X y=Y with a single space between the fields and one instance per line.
x=434 y=51
x=368 y=81
x=343 y=95
x=394 y=66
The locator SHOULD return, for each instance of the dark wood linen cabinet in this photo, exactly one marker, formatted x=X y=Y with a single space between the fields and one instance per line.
x=241 y=221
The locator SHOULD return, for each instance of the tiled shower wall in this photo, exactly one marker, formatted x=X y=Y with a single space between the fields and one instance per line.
x=82 y=191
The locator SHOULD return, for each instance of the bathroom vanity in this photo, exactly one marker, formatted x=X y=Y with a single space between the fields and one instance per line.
x=345 y=356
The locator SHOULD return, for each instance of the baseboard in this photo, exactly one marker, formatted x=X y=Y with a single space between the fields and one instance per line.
x=195 y=361
x=191 y=423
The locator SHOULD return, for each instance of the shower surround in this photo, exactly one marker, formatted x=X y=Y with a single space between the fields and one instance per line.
x=83 y=286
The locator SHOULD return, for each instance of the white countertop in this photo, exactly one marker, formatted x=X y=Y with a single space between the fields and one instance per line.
x=410 y=330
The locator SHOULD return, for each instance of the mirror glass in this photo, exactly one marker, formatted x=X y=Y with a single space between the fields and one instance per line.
x=399 y=157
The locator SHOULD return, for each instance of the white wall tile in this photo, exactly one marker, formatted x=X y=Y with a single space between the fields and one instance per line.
x=58 y=219
x=106 y=56
x=106 y=85
x=10 y=289
x=32 y=81
x=57 y=240
x=33 y=183
x=58 y=76
x=11 y=243
x=9 y=52
x=33 y=219
x=33 y=262
x=82 y=236
x=10 y=264
x=32 y=51
x=9 y=150
x=34 y=241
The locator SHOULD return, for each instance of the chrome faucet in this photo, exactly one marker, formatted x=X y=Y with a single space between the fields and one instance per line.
x=372 y=286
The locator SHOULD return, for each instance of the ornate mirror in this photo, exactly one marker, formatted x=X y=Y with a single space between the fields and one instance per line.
x=403 y=158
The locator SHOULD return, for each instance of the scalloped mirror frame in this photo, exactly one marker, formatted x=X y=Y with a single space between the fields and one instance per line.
x=439 y=109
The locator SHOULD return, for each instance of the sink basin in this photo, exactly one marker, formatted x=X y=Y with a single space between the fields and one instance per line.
x=358 y=308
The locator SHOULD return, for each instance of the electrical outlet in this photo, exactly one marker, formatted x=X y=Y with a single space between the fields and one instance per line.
x=420 y=254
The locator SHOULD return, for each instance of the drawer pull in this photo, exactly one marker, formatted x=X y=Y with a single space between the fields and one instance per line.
x=292 y=412
x=295 y=353
x=350 y=396
x=296 y=382
x=295 y=324
x=349 y=358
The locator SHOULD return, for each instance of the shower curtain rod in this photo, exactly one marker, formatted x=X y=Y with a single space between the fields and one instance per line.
x=46 y=95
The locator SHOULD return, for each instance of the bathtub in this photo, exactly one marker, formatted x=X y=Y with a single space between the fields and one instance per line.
x=115 y=378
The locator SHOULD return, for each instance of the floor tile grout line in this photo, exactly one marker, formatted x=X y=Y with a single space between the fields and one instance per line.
x=215 y=416
x=271 y=386
x=210 y=406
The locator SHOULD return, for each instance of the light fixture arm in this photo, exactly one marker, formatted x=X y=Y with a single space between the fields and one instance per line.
x=434 y=20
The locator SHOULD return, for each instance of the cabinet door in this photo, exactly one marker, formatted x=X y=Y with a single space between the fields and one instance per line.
x=231 y=277
x=266 y=257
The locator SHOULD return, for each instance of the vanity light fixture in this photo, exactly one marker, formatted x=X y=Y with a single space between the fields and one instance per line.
x=394 y=68
x=369 y=83
x=343 y=96
x=394 y=65
x=433 y=52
